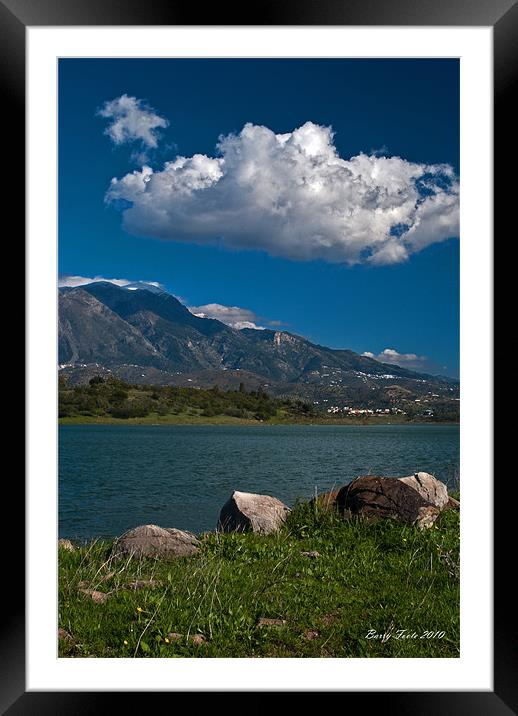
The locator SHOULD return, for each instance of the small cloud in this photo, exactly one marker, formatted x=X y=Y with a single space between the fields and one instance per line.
x=247 y=324
x=67 y=281
x=405 y=360
x=132 y=120
x=232 y=316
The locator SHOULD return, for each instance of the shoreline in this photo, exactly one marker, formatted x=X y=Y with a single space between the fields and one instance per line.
x=227 y=420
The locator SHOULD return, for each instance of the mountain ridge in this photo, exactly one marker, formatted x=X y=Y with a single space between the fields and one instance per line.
x=107 y=326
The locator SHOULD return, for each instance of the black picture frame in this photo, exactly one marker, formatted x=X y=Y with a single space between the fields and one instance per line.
x=502 y=15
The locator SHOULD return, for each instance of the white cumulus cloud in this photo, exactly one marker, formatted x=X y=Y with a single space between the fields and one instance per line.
x=406 y=360
x=230 y=315
x=132 y=120
x=293 y=196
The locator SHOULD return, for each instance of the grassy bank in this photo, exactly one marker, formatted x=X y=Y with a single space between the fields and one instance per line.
x=366 y=578
x=156 y=419
x=199 y=419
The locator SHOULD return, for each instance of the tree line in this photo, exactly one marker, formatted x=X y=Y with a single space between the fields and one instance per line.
x=115 y=398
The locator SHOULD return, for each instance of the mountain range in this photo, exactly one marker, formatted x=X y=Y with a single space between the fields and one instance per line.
x=146 y=335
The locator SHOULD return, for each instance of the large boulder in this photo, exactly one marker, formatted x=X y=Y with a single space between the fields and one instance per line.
x=153 y=541
x=429 y=487
x=246 y=512
x=381 y=497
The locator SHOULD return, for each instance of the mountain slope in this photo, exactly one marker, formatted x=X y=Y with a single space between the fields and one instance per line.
x=122 y=329
x=90 y=332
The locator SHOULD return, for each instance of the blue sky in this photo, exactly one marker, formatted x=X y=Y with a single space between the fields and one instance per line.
x=322 y=267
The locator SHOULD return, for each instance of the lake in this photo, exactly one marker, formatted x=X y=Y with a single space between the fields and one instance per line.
x=114 y=477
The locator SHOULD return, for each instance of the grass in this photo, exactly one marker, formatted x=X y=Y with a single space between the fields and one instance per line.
x=156 y=419
x=384 y=577
x=196 y=418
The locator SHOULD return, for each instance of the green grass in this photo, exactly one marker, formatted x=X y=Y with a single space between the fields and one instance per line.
x=382 y=577
x=193 y=418
x=156 y=419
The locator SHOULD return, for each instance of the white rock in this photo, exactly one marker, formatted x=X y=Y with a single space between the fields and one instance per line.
x=433 y=490
x=247 y=512
x=154 y=541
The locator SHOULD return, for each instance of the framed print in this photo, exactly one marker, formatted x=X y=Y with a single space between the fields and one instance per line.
x=260 y=255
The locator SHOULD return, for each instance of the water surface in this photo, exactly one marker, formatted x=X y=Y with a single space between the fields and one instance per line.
x=114 y=477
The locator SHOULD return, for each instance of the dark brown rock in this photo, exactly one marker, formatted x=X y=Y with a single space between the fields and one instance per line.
x=382 y=497
x=247 y=512
x=154 y=541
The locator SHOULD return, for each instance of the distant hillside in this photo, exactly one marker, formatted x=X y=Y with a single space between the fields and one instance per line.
x=111 y=399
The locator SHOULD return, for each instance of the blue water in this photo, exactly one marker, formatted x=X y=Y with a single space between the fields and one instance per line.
x=112 y=478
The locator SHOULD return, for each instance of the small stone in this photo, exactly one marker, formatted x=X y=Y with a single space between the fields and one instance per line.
x=97 y=597
x=313 y=554
x=198 y=640
x=66 y=544
x=311 y=634
x=426 y=517
x=143 y=584
x=328 y=619
x=173 y=636
x=63 y=634
x=266 y=621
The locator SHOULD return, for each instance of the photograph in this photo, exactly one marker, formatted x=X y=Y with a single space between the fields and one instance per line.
x=258 y=357
x=259 y=311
